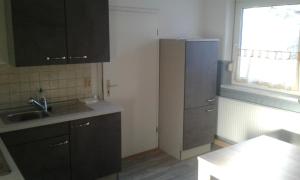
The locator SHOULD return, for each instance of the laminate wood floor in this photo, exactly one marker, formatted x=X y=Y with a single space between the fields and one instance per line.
x=156 y=165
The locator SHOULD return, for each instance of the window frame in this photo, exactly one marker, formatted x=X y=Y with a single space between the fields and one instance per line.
x=237 y=37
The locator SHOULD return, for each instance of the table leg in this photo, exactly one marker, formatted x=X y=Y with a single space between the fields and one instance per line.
x=203 y=170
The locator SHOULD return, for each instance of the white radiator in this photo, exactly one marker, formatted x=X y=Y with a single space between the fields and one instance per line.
x=238 y=121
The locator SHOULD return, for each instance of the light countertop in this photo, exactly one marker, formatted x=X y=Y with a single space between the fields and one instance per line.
x=98 y=109
x=15 y=174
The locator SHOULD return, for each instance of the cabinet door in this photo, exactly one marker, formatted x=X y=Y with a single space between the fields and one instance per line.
x=201 y=73
x=43 y=160
x=25 y=136
x=96 y=147
x=88 y=31
x=199 y=126
x=39 y=32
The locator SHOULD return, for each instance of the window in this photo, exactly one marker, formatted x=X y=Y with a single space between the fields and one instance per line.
x=267 y=43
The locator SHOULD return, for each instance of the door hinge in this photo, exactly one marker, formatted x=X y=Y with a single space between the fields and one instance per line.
x=157 y=32
x=156 y=129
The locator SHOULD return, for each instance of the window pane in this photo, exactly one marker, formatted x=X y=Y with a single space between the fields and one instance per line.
x=269 y=46
x=271 y=28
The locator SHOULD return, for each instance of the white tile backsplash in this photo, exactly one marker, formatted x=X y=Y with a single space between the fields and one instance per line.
x=59 y=83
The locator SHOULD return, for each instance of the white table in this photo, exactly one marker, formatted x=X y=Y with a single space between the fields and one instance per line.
x=262 y=158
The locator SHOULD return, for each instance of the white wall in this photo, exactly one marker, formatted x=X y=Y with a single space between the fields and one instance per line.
x=181 y=18
x=177 y=18
x=218 y=19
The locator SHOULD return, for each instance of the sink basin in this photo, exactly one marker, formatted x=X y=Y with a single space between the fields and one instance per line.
x=26 y=116
x=22 y=115
x=55 y=109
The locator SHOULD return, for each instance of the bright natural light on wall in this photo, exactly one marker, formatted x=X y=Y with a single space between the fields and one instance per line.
x=268 y=54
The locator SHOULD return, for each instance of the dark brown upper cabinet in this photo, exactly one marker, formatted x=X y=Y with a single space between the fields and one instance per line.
x=87 y=30
x=52 y=32
x=38 y=32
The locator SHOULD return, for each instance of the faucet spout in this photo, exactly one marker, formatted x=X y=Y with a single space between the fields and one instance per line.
x=42 y=103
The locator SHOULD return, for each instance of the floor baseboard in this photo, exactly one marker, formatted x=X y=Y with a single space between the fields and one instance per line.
x=223 y=142
x=141 y=154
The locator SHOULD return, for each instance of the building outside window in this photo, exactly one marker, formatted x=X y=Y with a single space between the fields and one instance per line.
x=266 y=46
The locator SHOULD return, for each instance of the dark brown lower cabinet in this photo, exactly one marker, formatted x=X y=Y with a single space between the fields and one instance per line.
x=85 y=149
x=96 y=147
x=43 y=160
x=199 y=126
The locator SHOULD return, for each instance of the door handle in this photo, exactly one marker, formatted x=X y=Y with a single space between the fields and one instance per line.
x=212 y=100
x=211 y=110
x=55 y=58
x=78 y=57
x=60 y=144
x=84 y=125
x=109 y=86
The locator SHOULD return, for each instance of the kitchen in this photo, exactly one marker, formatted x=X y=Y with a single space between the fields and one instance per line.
x=86 y=87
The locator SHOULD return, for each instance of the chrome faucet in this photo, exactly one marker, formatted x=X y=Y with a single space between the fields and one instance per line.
x=41 y=103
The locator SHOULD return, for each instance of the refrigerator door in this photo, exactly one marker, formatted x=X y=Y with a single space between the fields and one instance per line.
x=201 y=73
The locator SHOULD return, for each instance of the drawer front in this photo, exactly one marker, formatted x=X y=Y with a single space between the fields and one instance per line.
x=199 y=127
x=43 y=160
x=34 y=134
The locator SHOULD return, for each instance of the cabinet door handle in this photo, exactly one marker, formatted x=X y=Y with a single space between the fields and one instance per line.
x=84 y=125
x=211 y=110
x=60 y=144
x=55 y=58
x=211 y=100
x=78 y=57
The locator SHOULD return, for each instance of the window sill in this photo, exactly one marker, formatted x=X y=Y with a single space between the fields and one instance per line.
x=261 y=97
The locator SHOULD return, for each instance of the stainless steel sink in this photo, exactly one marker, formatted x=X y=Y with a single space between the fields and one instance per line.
x=22 y=115
x=56 y=109
x=26 y=116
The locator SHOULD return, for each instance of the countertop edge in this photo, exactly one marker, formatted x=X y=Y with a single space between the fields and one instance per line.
x=100 y=108
x=15 y=172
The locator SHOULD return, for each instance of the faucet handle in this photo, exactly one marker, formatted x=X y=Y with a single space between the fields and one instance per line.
x=30 y=100
x=43 y=98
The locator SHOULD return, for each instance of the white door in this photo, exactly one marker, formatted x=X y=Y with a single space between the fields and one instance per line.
x=132 y=77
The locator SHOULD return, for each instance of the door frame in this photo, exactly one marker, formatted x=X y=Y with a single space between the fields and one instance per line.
x=102 y=87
